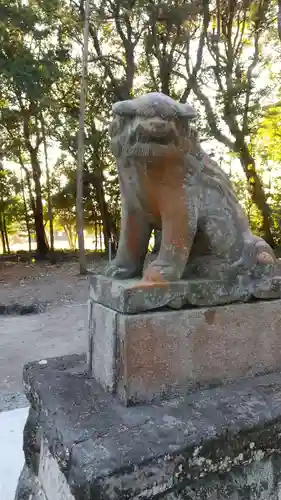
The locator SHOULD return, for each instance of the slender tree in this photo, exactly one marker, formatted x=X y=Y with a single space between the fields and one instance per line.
x=279 y=18
x=26 y=215
x=81 y=134
x=49 y=197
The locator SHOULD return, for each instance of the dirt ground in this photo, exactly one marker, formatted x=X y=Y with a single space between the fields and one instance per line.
x=41 y=282
x=61 y=329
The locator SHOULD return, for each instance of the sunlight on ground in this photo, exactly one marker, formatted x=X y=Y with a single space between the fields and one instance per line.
x=59 y=245
x=11 y=454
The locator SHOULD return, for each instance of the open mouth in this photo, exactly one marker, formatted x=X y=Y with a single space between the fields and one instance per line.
x=163 y=140
x=155 y=131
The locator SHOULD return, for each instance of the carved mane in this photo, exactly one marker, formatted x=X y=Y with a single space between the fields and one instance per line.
x=199 y=163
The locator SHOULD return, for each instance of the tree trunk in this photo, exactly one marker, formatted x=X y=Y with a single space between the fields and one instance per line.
x=30 y=191
x=70 y=237
x=25 y=210
x=28 y=181
x=67 y=235
x=104 y=214
x=2 y=225
x=42 y=243
x=257 y=192
x=100 y=238
x=96 y=235
x=279 y=19
x=80 y=156
x=6 y=234
x=50 y=208
x=2 y=234
x=109 y=229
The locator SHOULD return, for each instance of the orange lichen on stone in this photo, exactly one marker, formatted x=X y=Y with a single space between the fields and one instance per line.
x=152 y=276
x=164 y=183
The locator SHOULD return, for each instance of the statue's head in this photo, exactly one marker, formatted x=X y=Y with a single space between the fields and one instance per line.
x=150 y=125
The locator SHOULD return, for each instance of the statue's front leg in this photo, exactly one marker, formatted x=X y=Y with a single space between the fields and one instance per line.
x=179 y=226
x=132 y=248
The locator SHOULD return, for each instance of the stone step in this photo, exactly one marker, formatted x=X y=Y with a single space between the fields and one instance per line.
x=81 y=443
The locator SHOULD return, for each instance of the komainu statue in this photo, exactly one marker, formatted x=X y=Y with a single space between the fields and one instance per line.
x=169 y=183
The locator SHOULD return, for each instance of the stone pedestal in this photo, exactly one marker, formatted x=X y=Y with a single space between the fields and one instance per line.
x=211 y=430
x=81 y=443
x=143 y=356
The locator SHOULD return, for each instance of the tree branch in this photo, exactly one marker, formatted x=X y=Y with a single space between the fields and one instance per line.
x=151 y=71
x=193 y=74
x=93 y=33
x=279 y=19
x=249 y=82
x=237 y=43
x=211 y=118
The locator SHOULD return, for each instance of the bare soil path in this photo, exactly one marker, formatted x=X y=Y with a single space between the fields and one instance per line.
x=61 y=329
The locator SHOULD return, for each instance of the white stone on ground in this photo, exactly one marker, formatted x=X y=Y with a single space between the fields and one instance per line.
x=11 y=454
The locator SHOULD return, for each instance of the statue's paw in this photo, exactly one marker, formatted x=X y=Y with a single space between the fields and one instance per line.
x=268 y=289
x=160 y=272
x=119 y=271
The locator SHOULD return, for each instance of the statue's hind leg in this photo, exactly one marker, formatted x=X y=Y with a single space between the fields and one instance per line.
x=266 y=282
x=265 y=254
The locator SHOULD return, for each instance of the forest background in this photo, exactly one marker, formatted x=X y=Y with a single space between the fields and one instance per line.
x=223 y=56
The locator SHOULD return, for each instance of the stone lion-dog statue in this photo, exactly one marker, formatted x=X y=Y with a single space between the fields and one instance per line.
x=169 y=183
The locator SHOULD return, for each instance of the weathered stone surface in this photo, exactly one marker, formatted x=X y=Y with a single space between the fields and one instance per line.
x=261 y=480
x=168 y=183
x=29 y=486
x=219 y=443
x=132 y=296
x=143 y=356
x=53 y=482
x=102 y=345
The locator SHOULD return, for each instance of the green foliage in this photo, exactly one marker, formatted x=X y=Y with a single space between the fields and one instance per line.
x=276 y=209
x=10 y=201
x=267 y=141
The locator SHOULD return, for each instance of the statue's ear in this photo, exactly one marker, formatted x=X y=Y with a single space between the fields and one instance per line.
x=186 y=111
x=124 y=108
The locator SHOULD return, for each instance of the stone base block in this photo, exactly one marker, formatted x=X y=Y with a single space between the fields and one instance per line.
x=134 y=296
x=144 y=356
x=80 y=443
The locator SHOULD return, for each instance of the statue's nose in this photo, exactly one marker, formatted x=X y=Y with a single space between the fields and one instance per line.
x=160 y=126
x=153 y=130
